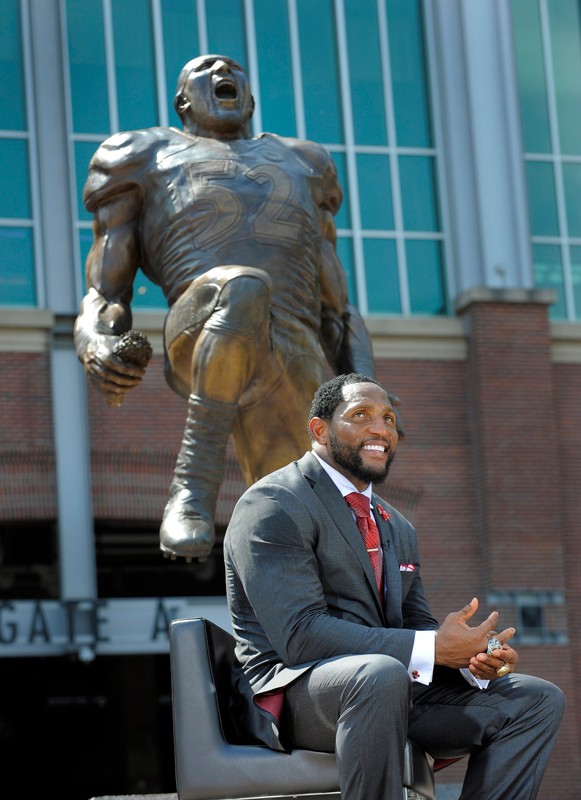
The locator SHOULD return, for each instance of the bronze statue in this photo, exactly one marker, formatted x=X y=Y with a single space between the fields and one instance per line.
x=239 y=233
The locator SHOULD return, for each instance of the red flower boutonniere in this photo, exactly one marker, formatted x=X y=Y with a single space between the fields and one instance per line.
x=382 y=512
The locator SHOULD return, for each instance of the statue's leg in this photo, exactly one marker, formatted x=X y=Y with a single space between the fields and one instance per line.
x=221 y=361
x=270 y=429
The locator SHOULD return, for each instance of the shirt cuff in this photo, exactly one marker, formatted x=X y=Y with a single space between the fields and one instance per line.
x=421 y=666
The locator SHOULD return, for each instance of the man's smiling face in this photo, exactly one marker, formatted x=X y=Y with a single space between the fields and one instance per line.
x=361 y=439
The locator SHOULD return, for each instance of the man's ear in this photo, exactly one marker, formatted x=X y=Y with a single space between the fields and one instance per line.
x=318 y=428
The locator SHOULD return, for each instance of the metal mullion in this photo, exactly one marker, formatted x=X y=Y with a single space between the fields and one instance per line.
x=250 y=29
x=345 y=82
x=448 y=271
x=110 y=66
x=159 y=56
x=71 y=138
x=393 y=160
x=202 y=26
x=296 y=69
x=558 y=172
x=39 y=273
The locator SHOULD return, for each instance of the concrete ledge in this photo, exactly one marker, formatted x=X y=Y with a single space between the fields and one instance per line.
x=432 y=338
x=484 y=294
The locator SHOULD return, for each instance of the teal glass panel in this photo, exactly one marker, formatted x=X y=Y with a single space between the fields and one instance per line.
x=575 y=258
x=565 y=27
x=425 y=277
x=532 y=89
x=320 y=72
x=365 y=73
x=84 y=151
x=418 y=193
x=87 y=66
x=12 y=107
x=408 y=73
x=381 y=278
x=225 y=24
x=17 y=278
x=275 y=67
x=343 y=218
x=146 y=295
x=549 y=275
x=15 y=194
x=180 y=40
x=345 y=254
x=375 y=192
x=542 y=198
x=572 y=184
x=85 y=242
x=134 y=65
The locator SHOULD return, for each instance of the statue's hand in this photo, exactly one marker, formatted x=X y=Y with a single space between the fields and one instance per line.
x=116 y=364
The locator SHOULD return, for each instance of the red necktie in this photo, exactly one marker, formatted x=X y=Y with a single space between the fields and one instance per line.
x=368 y=529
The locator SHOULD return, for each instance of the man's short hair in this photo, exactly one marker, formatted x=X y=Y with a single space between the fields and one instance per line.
x=330 y=394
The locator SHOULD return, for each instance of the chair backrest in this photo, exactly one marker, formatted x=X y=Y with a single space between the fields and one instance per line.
x=211 y=765
x=208 y=765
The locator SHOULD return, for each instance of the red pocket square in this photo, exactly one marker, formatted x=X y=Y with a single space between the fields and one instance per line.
x=407 y=567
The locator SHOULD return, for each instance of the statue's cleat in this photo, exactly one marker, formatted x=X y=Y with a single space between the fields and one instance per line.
x=186 y=534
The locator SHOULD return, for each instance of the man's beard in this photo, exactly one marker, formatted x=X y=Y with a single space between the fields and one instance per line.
x=349 y=458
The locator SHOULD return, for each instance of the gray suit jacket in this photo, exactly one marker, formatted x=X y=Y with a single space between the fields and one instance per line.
x=300 y=586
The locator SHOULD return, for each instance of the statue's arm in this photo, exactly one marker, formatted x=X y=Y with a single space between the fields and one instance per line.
x=105 y=311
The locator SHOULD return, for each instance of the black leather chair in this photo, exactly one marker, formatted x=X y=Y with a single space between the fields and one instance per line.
x=210 y=762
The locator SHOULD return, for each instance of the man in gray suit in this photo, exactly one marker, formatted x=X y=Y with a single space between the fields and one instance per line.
x=335 y=657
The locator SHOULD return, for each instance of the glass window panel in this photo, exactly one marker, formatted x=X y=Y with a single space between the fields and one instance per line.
x=343 y=218
x=134 y=67
x=17 y=278
x=575 y=257
x=85 y=242
x=565 y=26
x=425 y=277
x=572 y=184
x=225 y=23
x=375 y=192
x=549 y=275
x=87 y=65
x=12 y=107
x=366 y=73
x=180 y=38
x=15 y=196
x=381 y=278
x=408 y=73
x=320 y=73
x=83 y=153
x=418 y=193
x=345 y=253
x=147 y=295
x=542 y=198
x=532 y=89
x=275 y=67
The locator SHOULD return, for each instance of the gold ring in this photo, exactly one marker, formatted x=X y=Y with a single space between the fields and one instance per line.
x=503 y=670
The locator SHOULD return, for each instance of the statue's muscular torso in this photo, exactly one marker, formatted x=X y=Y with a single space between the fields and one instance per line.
x=207 y=203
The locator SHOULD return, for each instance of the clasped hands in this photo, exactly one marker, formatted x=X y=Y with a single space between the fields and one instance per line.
x=459 y=645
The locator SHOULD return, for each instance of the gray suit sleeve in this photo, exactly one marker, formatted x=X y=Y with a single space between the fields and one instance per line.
x=292 y=589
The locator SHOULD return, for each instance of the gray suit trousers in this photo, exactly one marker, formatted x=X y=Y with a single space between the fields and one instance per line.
x=363 y=707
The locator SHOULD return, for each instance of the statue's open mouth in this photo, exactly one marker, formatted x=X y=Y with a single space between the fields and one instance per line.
x=226 y=90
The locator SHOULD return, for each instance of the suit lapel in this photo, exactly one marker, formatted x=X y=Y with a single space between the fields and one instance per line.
x=340 y=513
x=391 y=576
